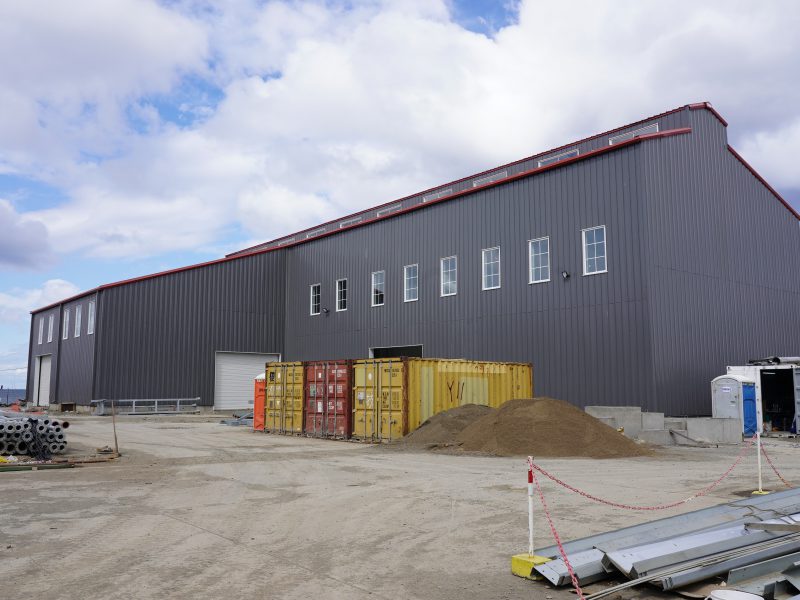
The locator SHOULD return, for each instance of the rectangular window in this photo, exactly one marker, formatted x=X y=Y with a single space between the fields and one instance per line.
x=41 y=329
x=50 y=329
x=449 y=276
x=65 y=325
x=78 y=314
x=539 y=260
x=316 y=298
x=594 y=250
x=90 y=318
x=410 y=283
x=341 y=295
x=378 y=288
x=490 y=258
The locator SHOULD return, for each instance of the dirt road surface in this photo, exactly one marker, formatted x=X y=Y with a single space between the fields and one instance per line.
x=198 y=510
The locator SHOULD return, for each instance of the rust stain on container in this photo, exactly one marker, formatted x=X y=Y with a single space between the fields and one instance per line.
x=328 y=399
x=394 y=396
x=284 y=397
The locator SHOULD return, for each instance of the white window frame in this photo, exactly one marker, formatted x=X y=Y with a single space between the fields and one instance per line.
x=78 y=319
x=65 y=325
x=338 y=281
x=90 y=318
x=311 y=299
x=441 y=275
x=406 y=288
x=50 y=321
x=605 y=250
x=372 y=289
x=484 y=263
x=531 y=280
x=41 y=330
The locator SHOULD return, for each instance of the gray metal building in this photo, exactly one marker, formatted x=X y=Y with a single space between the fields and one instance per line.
x=630 y=268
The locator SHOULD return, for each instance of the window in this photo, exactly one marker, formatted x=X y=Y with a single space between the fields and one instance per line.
x=341 y=295
x=65 y=327
x=491 y=268
x=78 y=314
x=41 y=329
x=594 y=250
x=378 y=288
x=449 y=276
x=50 y=329
x=316 y=297
x=539 y=260
x=410 y=283
x=90 y=318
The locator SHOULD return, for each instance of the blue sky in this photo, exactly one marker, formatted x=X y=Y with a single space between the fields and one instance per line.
x=139 y=136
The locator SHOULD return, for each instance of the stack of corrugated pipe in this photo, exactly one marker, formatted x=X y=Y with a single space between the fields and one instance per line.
x=37 y=436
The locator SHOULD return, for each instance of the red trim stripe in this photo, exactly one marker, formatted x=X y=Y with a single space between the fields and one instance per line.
x=466 y=192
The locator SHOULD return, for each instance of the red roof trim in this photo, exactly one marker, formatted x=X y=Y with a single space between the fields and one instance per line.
x=707 y=106
x=764 y=182
x=486 y=172
x=518 y=176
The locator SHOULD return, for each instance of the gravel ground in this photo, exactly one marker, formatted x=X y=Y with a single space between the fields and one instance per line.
x=194 y=509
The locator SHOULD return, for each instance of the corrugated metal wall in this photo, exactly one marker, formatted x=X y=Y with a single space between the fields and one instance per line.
x=76 y=356
x=723 y=284
x=588 y=337
x=157 y=337
x=36 y=350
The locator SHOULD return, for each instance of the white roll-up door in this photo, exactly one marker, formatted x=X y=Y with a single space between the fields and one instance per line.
x=234 y=375
x=43 y=381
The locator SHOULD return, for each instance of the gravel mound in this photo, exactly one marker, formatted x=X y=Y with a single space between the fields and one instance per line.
x=540 y=427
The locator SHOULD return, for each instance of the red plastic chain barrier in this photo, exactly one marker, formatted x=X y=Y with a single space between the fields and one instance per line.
x=556 y=537
x=702 y=492
x=769 y=461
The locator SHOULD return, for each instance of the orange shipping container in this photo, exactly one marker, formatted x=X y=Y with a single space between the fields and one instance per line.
x=259 y=404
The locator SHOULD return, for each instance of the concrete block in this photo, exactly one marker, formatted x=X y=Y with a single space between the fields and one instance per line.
x=657 y=437
x=715 y=431
x=651 y=420
x=629 y=417
x=610 y=421
x=673 y=423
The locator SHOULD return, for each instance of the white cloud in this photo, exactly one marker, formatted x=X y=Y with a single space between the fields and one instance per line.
x=16 y=303
x=23 y=244
x=328 y=109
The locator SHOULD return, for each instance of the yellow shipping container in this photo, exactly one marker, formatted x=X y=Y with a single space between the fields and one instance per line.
x=284 y=397
x=394 y=396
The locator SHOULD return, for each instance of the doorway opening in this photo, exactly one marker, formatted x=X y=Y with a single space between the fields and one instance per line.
x=396 y=352
x=778 y=398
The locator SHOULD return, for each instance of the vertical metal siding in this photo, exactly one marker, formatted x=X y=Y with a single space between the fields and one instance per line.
x=43 y=349
x=587 y=337
x=159 y=336
x=722 y=289
x=76 y=356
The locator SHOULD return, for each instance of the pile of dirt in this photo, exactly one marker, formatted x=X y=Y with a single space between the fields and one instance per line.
x=441 y=431
x=545 y=427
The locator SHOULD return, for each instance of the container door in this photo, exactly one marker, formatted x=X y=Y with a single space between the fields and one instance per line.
x=749 y=410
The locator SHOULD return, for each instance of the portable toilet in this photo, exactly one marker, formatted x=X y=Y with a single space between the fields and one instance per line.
x=734 y=397
x=259 y=405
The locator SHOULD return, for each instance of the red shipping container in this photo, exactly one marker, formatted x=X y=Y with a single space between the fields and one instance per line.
x=259 y=406
x=327 y=398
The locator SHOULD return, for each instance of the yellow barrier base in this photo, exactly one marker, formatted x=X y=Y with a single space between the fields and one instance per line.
x=522 y=565
x=759 y=493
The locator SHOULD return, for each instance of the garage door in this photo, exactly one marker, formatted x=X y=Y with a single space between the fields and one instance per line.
x=42 y=382
x=234 y=375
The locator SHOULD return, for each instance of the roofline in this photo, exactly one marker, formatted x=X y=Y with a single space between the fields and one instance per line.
x=695 y=106
x=466 y=192
x=763 y=181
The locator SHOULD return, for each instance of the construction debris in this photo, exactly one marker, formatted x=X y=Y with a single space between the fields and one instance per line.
x=750 y=545
x=38 y=436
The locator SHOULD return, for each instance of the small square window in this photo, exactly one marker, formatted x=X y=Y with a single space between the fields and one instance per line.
x=490 y=258
x=410 y=283
x=594 y=250
x=315 y=298
x=341 y=295
x=539 y=260
x=449 y=276
x=378 y=288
